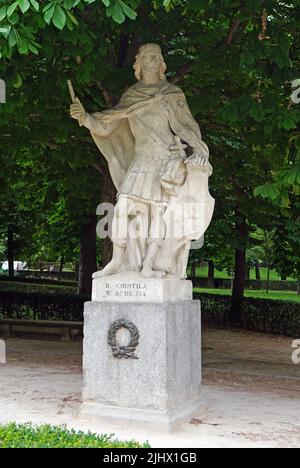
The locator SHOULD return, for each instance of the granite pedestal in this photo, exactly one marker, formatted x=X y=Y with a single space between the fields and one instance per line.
x=142 y=360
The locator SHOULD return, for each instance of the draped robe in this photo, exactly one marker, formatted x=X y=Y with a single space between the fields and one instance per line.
x=154 y=115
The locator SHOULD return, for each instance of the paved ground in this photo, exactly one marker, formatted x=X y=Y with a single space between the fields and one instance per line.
x=251 y=386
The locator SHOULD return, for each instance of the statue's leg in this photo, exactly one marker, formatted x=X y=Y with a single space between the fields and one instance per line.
x=119 y=238
x=137 y=235
x=116 y=263
x=183 y=259
x=147 y=270
x=155 y=241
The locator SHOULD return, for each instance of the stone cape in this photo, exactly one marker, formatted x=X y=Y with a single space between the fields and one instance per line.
x=133 y=177
x=119 y=147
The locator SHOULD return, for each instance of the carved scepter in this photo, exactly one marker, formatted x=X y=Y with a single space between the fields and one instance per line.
x=72 y=92
x=73 y=96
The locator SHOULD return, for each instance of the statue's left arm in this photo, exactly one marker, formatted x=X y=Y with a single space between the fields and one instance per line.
x=188 y=129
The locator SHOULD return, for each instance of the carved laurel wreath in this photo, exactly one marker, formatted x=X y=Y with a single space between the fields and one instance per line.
x=123 y=352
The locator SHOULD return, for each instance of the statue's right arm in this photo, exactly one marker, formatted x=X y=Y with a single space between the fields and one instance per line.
x=93 y=122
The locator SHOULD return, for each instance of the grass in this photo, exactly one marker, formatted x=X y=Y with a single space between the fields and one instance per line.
x=27 y=436
x=202 y=272
x=272 y=295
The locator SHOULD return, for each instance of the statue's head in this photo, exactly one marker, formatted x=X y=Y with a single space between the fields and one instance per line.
x=150 y=59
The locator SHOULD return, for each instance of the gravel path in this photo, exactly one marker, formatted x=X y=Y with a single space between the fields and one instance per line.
x=250 y=384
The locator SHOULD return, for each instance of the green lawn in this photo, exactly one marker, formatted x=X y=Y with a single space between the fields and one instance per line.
x=27 y=436
x=202 y=272
x=275 y=295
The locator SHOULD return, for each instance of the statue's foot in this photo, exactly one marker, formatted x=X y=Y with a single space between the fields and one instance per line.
x=149 y=273
x=111 y=269
x=159 y=274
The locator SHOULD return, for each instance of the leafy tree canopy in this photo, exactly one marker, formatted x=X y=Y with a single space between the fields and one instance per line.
x=234 y=59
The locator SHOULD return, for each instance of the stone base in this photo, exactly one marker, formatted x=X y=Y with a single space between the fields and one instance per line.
x=132 y=287
x=168 y=421
x=158 y=381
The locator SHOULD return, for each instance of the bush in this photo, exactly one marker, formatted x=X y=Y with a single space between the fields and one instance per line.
x=27 y=436
x=4 y=279
x=36 y=306
x=44 y=288
x=263 y=315
x=47 y=275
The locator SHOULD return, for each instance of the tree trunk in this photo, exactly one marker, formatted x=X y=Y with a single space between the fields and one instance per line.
x=10 y=251
x=268 y=279
x=108 y=196
x=61 y=267
x=231 y=278
x=248 y=272
x=88 y=263
x=211 y=274
x=77 y=271
x=238 y=285
x=257 y=271
x=193 y=270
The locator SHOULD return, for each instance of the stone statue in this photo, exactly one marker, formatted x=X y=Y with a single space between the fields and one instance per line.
x=159 y=165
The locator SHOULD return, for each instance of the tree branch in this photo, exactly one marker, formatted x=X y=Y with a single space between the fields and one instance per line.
x=184 y=70
x=123 y=49
x=99 y=169
x=107 y=97
x=234 y=28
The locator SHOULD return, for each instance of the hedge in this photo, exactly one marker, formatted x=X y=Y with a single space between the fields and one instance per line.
x=32 y=280
x=46 y=275
x=263 y=315
x=36 y=306
x=268 y=316
x=38 y=287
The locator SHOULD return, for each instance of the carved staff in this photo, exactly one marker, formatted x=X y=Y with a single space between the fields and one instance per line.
x=73 y=96
x=72 y=92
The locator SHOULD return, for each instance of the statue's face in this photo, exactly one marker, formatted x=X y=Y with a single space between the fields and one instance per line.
x=151 y=62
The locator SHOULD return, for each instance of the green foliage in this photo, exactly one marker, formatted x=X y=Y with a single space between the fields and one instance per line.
x=269 y=191
x=118 y=10
x=21 y=20
x=46 y=436
x=237 y=87
x=264 y=243
x=287 y=241
x=36 y=288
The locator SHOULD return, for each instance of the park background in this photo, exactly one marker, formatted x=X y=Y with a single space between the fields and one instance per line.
x=236 y=62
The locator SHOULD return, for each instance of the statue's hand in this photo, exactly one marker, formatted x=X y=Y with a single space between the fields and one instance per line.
x=197 y=159
x=78 y=112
